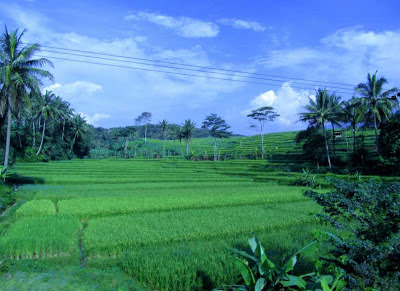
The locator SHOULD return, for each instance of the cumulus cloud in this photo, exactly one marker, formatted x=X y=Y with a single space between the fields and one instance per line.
x=93 y=119
x=242 y=24
x=286 y=101
x=183 y=26
x=75 y=91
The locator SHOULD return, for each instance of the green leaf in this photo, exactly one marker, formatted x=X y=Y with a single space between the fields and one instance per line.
x=260 y=284
x=289 y=265
x=294 y=281
x=246 y=272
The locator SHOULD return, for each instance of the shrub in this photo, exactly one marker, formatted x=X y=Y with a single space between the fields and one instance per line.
x=367 y=244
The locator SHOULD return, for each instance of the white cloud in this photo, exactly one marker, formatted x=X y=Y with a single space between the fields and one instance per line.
x=76 y=91
x=344 y=56
x=286 y=101
x=93 y=120
x=242 y=24
x=183 y=26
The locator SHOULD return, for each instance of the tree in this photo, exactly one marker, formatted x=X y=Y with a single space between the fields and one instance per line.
x=262 y=115
x=218 y=129
x=63 y=111
x=318 y=113
x=46 y=109
x=353 y=113
x=335 y=117
x=19 y=74
x=79 y=129
x=174 y=130
x=187 y=131
x=377 y=101
x=144 y=119
x=164 y=127
x=390 y=139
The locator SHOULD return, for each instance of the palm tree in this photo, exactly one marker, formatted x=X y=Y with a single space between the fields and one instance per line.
x=334 y=118
x=353 y=112
x=174 y=133
x=46 y=109
x=187 y=131
x=377 y=101
x=164 y=127
x=19 y=74
x=318 y=113
x=63 y=111
x=79 y=129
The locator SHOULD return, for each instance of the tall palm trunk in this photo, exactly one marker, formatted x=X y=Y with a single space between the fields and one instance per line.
x=41 y=142
x=180 y=141
x=333 y=140
x=72 y=145
x=354 y=138
x=8 y=136
x=327 y=146
x=376 y=136
x=187 y=146
x=215 y=148
x=33 y=135
x=164 y=147
x=62 y=136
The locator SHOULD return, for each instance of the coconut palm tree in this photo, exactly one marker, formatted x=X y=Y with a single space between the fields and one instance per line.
x=335 y=117
x=377 y=101
x=19 y=74
x=353 y=112
x=319 y=112
x=79 y=129
x=63 y=111
x=187 y=130
x=46 y=109
x=164 y=127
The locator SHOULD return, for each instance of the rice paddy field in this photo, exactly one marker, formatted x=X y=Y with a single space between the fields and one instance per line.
x=147 y=224
x=280 y=146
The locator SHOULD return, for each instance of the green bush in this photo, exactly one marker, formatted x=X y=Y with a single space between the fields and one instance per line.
x=6 y=197
x=367 y=244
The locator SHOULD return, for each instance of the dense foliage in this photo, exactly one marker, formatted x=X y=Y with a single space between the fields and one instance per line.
x=366 y=245
x=390 y=142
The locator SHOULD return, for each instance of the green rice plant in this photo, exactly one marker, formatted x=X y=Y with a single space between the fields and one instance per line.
x=36 y=208
x=177 y=200
x=32 y=237
x=113 y=235
x=204 y=265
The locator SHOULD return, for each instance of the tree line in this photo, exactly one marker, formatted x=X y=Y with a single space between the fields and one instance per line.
x=35 y=125
x=371 y=106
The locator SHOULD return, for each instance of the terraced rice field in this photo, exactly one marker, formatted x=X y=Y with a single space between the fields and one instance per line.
x=280 y=145
x=165 y=225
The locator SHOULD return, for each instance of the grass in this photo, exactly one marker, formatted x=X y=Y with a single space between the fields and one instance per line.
x=113 y=235
x=36 y=208
x=165 y=224
x=33 y=237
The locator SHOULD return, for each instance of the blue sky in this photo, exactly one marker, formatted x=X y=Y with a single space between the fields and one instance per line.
x=331 y=41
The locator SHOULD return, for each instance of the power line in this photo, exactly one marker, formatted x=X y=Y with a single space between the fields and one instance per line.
x=197 y=66
x=188 y=69
x=175 y=73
